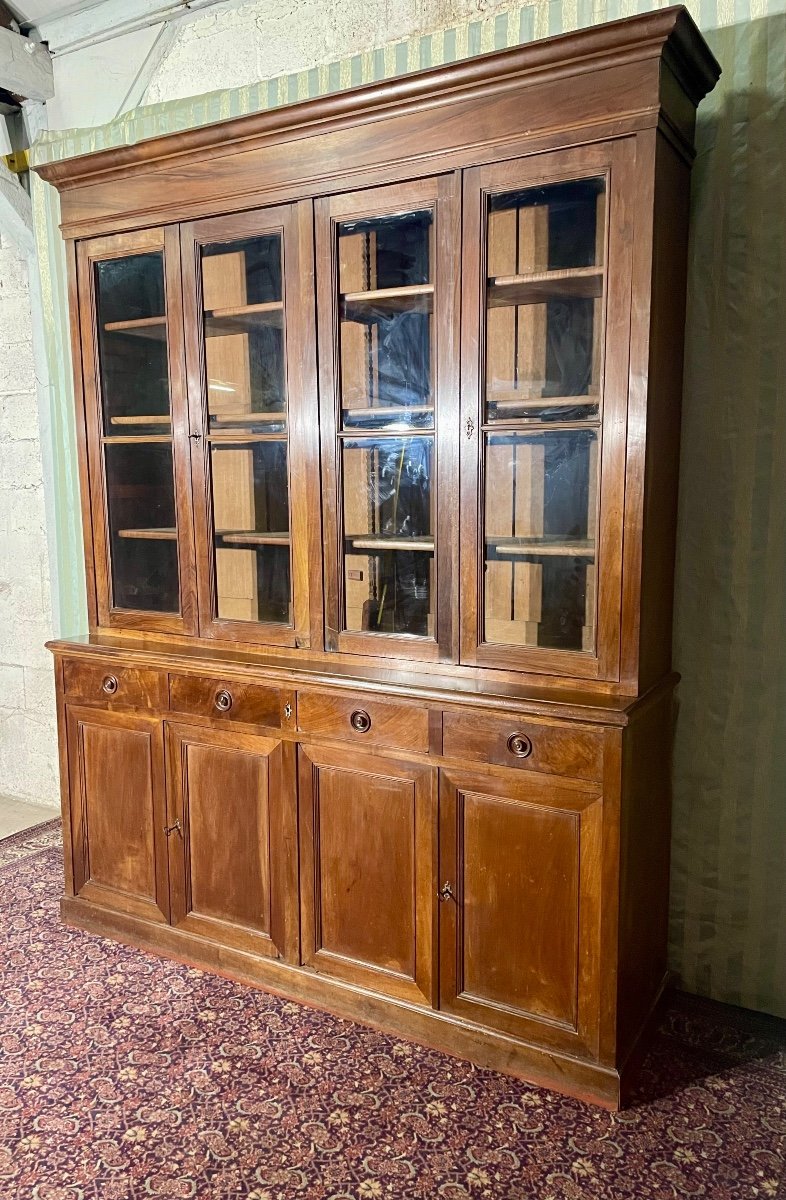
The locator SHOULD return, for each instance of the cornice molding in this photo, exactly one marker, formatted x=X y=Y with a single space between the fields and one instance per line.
x=668 y=33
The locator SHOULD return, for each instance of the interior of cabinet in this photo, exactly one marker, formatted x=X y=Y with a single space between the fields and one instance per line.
x=386 y=434
x=542 y=409
x=245 y=374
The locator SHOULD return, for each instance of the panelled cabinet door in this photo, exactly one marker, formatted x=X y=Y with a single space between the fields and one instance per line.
x=137 y=435
x=251 y=354
x=547 y=280
x=387 y=281
x=368 y=858
x=118 y=811
x=233 y=839
x=520 y=880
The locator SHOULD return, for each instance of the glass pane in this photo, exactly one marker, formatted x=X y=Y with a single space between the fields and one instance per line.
x=541 y=497
x=134 y=377
x=387 y=291
x=142 y=531
x=388 y=535
x=544 y=302
x=132 y=346
x=251 y=521
x=247 y=409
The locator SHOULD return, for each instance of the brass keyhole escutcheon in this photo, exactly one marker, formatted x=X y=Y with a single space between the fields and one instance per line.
x=110 y=685
x=223 y=700
x=446 y=891
x=519 y=745
x=360 y=721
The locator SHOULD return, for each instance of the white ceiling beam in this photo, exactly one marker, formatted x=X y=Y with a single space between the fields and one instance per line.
x=25 y=67
x=110 y=18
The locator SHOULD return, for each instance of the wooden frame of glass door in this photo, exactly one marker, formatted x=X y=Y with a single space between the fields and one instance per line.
x=612 y=162
x=166 y=242
x=294 y=225
x=441 y=195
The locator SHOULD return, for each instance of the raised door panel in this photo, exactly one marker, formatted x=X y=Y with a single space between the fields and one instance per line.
x=131 y=325
x=118 y=810
x=547 y=267
x=519 y=919
x=367 y=847
x=234 y=849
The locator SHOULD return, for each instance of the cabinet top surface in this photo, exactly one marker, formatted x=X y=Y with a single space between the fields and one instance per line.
x=668 y=33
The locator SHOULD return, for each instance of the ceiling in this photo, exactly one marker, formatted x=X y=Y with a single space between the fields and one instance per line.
x=32 y=12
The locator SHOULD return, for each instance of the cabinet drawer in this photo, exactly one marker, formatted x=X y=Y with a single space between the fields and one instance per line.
x=120 y=687
x=572 y=750
x=363 y=720
x=229 y=701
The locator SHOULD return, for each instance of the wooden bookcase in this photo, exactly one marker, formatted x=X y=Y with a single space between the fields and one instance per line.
x=378 y=407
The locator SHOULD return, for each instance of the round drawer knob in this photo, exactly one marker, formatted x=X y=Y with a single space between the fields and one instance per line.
x=110 y=685
x=519 y=745
x=360 y=721
x=223 y=700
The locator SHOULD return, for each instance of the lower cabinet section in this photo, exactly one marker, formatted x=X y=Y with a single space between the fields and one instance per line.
x=368 y=870
x=233 y=839
x=118 y=811
x=520 y=919
x=469 y=897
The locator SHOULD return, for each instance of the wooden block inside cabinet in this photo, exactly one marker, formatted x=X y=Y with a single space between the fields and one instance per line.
x=364 y=720
x=113 y=685
x=567 y=749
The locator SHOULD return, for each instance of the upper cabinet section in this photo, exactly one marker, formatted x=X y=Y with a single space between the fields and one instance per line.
x=130 y=294
x=399 y=379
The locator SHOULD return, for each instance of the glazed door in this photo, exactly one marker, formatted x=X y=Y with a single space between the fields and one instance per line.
x=519 y=914
x=368 y=858
x=137 y=435
x=233 y=839
x=547 y=278
x=118 y=811
x=251 y=354
x=387 y=284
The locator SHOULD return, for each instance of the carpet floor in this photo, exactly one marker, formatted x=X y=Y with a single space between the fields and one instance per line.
x=126 y=1077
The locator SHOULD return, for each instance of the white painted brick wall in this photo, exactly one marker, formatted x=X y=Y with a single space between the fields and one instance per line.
x=28 y=736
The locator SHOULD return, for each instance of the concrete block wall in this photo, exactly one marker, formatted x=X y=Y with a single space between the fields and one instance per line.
x=28 y=737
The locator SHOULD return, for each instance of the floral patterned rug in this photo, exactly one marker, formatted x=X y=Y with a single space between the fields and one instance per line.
x=126 y=1077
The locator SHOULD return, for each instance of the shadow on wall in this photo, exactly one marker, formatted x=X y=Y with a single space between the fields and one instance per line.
x=728 y=898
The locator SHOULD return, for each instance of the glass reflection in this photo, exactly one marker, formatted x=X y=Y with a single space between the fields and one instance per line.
x=541 y=494
x=388 y=535
x=545 y=288
x=386 y=286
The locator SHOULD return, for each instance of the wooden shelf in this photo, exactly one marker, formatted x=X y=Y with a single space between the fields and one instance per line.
x=226 y=436
x=380 y=544
x=243 y=318
x=155 y=420
x=131 y=439
x=242 y=538
x=250 y=418
x=507 y=290
x=540 y=548
x=387 y=410
x=511 y=403
x=385 y=302
x=152 y=328
x=149 y=535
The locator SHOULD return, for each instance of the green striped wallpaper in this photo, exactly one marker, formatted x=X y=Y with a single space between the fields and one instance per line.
x=728 y=935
